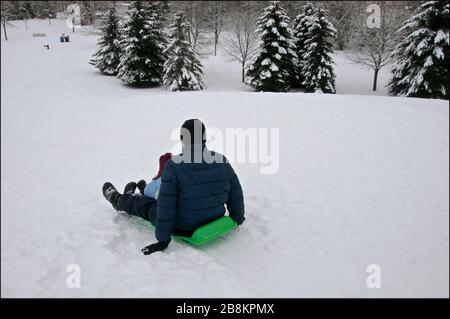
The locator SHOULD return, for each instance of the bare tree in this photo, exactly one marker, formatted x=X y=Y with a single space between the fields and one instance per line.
x=241 y=44
x=87 y=10
x=44 y=9
x=292 y=7
x=371 y=47
x=216 y=20
x=27 y=12
x=6 y=12
x=341 y=15
x=195 y=15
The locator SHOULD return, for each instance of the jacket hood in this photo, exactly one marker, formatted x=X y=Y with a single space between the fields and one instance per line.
x=162 y=163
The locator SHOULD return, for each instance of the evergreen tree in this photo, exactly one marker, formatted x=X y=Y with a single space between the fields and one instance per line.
x=182 y=70
x=157 y=11
x=300 y=30
x=107 y=57
x=422 y=57
x=317 y=69
x=274 y=65
x=142 y=46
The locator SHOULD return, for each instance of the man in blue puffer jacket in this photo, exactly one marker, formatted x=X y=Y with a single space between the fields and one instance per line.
x=196 y=185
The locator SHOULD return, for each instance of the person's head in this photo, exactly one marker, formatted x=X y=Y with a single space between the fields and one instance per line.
x=193 y=132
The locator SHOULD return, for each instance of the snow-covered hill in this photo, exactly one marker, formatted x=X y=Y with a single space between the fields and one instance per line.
x=362 y=180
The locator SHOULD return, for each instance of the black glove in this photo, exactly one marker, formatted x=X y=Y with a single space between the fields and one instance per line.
x=141 y=186
x=159 y=246
x=243 y=219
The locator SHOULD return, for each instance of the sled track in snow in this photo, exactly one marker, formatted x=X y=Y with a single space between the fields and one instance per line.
x=274 y=274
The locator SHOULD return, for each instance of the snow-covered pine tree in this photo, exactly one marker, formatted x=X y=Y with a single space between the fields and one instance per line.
x=317 y=66
x=157 y=12
x=142 y=46
x=182 y=70
x=300 y=30
x=274 y=65
x=107 y=57
x=422 y=57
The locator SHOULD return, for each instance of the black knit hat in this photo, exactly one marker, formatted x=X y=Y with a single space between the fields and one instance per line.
x=193 y=132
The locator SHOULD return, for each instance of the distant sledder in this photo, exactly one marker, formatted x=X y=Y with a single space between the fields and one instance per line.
x=64 y=38
x=187 y=198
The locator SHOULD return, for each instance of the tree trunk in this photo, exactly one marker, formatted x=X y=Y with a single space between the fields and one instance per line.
x=215 y=45
x=340 y=44
x=4 y=28
x=375 y=78
x=243 y=72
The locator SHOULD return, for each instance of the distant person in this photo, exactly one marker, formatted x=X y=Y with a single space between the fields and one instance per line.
x=61 y=38
x=194 y=191
x=47 y=46
x=66 y=38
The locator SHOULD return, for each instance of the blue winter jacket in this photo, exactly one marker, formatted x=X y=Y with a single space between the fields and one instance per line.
x=194 y=193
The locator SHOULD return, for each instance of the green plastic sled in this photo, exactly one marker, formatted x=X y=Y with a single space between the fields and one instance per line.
x=205 y=233
x=210 y=231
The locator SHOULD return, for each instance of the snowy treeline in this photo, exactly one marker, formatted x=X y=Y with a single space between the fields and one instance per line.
x=215 y=17
x=309 y=32
x=278 y=55
x=150 y=57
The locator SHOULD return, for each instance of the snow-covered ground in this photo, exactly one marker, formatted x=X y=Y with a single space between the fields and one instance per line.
x=362 y=180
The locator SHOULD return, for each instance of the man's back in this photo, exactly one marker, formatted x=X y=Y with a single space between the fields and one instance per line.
x=195 y=191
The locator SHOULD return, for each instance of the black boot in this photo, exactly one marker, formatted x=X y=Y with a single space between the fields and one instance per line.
x=111 y=194
x=141 y=186
x=130 y=188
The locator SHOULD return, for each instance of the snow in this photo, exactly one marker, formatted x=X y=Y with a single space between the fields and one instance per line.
x=273 y=67
x=356 y=79
x=362 y=180
x=282 y=50
x=441 y=36
x=266 y=61
x=438 y=53
x=275 y=31
x=270 y=22
x=428 y=61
